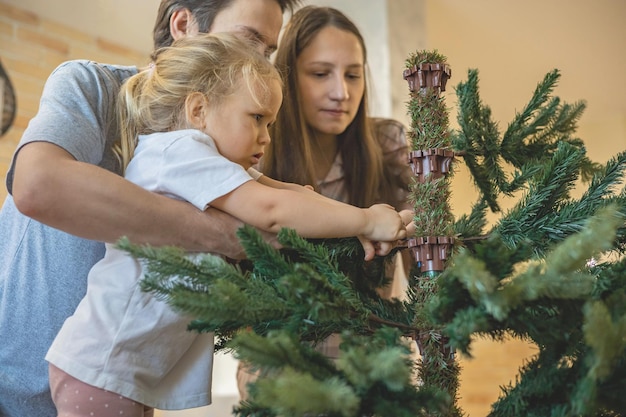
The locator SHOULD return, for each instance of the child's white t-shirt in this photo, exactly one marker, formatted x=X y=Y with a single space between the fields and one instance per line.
x=124 y=340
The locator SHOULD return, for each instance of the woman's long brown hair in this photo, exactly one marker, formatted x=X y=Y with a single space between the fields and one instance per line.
x=290 y=155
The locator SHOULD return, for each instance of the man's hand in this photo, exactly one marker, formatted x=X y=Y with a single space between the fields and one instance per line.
x=231 y=246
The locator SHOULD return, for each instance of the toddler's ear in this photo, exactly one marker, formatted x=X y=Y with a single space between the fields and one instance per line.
x=196 y=107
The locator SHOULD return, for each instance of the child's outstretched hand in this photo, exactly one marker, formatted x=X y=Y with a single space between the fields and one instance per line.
x=373 y=248
x=385 y=227
x=407 y=219
x=384 y=223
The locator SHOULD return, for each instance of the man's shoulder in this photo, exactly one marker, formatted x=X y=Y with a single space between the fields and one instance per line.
x=82 y=69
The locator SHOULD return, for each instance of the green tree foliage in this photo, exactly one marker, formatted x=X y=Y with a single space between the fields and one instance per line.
x=549 y=271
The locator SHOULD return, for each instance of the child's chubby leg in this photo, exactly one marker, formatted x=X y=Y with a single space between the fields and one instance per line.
x=74 y=398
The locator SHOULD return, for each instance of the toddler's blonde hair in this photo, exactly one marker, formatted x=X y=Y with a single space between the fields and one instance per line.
x=214 y=65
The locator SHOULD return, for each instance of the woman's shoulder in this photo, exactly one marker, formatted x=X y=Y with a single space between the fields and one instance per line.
x=386 y=123
x=389 y=133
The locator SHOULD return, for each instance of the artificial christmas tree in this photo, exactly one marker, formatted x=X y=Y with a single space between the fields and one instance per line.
x=543 y=273
x=427 y=74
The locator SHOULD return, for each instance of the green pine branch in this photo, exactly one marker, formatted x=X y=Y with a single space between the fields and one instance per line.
x=372 y=376
x=425 y=56
x=496 y=291
x=503 y=165
x=300 y=288
x=547 y=215
x=543 y=273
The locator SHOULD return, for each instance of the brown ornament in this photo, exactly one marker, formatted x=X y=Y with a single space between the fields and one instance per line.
x=431 y=252
x=435 y=162
x=427 y=75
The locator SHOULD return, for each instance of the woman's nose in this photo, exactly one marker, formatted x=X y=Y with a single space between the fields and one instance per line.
x=339 y=89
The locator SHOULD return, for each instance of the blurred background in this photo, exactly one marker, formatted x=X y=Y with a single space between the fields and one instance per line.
x=512 y=44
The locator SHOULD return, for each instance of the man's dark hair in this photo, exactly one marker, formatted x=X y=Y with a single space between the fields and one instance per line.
x=203 y=11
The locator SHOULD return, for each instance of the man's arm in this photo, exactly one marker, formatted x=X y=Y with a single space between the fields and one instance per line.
x=53 y=188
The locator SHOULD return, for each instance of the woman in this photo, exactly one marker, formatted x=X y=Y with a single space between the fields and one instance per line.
x=323 y=136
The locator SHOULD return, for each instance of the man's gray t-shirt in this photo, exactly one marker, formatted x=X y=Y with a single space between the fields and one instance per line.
x=43 y=271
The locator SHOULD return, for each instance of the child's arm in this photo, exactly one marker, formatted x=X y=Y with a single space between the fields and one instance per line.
x=270 y=182
x=371 y=248
x=311 y=215
x=406 y=214
x=307 y=189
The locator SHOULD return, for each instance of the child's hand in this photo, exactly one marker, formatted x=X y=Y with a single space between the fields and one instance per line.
x=385 y=224
x=373 y=248
x=407 y=219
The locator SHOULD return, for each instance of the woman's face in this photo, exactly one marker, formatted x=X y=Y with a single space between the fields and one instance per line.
x=331 y=80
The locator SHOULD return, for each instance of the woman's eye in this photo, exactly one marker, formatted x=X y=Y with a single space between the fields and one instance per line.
x=258 y=117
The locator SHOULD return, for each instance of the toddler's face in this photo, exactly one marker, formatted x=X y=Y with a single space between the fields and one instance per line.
x=239 y=125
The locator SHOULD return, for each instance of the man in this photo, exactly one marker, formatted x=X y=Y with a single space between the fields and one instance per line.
x=67 y=196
